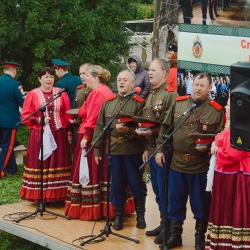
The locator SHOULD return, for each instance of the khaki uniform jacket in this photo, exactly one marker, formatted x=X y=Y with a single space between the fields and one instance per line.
x=134 y=144
x=157 y=105
x=82 y=92
x=208 y=118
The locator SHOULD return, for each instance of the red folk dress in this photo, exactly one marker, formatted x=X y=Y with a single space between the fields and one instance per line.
x=57 y=167
x=229 y=218
x=172 y=78
x=89 y=202
x=172 y=73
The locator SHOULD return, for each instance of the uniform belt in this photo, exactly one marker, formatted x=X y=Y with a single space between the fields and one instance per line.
x=119 y=139
x=189 y=157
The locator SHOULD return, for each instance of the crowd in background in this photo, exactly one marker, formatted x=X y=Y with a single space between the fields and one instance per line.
x=219 y=91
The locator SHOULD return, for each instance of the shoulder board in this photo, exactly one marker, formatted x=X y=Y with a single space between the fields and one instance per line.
x=138 y=98
x=81 y=86
x=182 y=98
x=110 y=98
x=216 y=105
x=169 y=88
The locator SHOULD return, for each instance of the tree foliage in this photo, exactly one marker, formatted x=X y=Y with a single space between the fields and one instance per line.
x=35 y=31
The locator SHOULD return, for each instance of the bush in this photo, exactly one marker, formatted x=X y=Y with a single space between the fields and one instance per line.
x=145 y=11
x=23 y=135
x=140 y=11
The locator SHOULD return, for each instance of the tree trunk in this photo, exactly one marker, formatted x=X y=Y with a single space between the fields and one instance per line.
x=166 y=31
x=157 y=19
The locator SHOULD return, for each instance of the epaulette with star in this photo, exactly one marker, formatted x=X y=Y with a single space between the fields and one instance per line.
x=182 y=98
x=110 y=98
x=81 y=86
x=216 y=105
x=169 y=88
x=138 y=98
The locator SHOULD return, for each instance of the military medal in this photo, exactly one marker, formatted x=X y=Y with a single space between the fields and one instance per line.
x=159 y=104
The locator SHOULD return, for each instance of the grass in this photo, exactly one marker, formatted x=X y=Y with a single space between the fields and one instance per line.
x=9 y=193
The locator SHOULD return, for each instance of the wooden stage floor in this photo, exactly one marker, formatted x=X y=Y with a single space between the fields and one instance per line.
x=61 y=234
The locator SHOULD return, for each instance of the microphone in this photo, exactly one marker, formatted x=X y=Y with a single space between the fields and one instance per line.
x=65 y=89
x=196 y=104
x=136 y=90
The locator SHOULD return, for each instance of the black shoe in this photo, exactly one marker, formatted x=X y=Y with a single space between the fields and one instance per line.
x=175 y=239
x=217 y=15
x=140 y=221
x=201 y=229
x=212 y=18
x=119 y=211
x=160 y=237
x=118 y=224
x=154 y=232
x=140 y=212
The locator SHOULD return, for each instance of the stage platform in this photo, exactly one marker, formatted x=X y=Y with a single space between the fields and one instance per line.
x=62 y=234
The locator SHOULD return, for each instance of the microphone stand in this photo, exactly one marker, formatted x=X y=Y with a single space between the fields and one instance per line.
x=168 y=152
x=107 y=229
x=41 y=207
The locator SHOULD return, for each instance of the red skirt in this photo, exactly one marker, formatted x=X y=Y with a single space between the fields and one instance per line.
x=90 y=202
x=229 y=218
x=56 y=169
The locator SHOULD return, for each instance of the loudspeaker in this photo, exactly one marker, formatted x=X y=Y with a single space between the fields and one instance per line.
x=239 y=72
x=240 y=106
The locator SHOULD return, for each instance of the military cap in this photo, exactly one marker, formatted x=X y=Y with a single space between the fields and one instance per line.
x=60 y=64
x=202 y=139
x=11 y=65
x=124 y=118
x=145 y=123
x=73 y=112
x=173 y=47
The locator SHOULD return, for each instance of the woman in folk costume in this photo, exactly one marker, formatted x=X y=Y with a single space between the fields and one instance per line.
x=229 y=223
x=56 y=156
x=87 y=191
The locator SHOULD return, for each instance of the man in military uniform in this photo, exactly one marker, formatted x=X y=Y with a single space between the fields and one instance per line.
x=81 y=94
x=126 y=150
x=190 y=159
x=10 y=101
x=159 y=101
x=82 y=91
x=67 y=79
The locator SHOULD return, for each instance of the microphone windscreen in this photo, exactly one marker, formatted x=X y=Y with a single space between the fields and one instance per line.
x=198 y=103
x=138 y=90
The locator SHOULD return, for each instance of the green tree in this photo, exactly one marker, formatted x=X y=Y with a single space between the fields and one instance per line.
x=35 y=31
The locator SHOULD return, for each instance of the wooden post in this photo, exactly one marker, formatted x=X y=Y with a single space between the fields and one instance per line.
x=156 y=30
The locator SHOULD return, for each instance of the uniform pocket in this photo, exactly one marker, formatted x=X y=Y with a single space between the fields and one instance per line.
x=206 y=126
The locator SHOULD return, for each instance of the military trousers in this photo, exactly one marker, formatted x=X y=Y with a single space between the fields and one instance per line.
x=158 y=184
x=181 y=186
x=7 y=156
x=124 y=172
